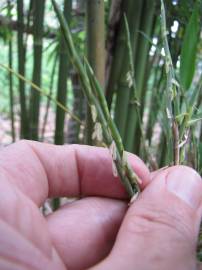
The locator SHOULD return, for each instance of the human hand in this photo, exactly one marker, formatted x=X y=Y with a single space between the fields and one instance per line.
x=159 y=230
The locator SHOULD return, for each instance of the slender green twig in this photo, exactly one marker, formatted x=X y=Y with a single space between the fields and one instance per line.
x=189 y=113
x=131 y=73
x=48 y=100
x=171 y=89
x=130 y=52
x=100 y=114
x=132 y=84
x=42 y=92
x=98 y=91
x=110 y=125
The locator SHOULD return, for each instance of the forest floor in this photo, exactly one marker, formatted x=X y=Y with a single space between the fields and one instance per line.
x=5 y=127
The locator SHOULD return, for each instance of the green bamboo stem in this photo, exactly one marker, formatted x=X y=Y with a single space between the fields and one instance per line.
x=163 y=149
x=79 y=109
x=24 y=129
x=10 y=60
x=62 y=80
x=55 y=204
x=49 y=100
x=190 y=109
x=96 y=38
x=108 y=123
x=134 y=103
x=10 y=55
x=119 y=68
x=98 y=91
x=74 y=130
x=111 y=38
x=132 y=136
x=39 y=7
x=95 y=51
x=172 y=106
x=154 y=106
x=29 y=15
x=135 y=100
x=185 y=127
x=125 y=172
x=123 y=84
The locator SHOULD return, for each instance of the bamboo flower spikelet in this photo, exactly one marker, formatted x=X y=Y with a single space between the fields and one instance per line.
x=171 y=90
x=104 y=125
x=176 y=97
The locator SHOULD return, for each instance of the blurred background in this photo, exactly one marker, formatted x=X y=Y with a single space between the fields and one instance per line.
x=32 y=46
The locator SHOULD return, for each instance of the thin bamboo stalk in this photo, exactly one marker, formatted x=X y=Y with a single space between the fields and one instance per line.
x=49 y=100
x=62 y=80
x=172 y=106
x=127 y=176
x=119 y=64
x=39 y=7
x=113 y=22
x=133 y=90
x=119 y=77
x=10 y=60
x=132 y=140
x=79 y=105
x=75 y=133
x=24 y=132
x=95 y=51
x=154 y=106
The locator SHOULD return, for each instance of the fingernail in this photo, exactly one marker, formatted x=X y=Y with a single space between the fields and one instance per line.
x=186 y=184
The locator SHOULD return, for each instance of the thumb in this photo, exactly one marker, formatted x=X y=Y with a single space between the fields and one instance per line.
x=160 y=229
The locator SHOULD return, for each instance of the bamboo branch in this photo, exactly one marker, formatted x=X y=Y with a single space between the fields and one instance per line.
x=171 y=99
x=100 y=113
x=42 y=92
x=48 y=100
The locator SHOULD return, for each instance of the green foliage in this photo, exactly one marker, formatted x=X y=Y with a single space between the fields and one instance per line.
x=104 y=127
x=136 y=81
x=189 y=50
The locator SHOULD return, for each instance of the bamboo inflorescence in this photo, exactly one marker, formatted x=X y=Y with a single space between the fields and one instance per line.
x=103 y=123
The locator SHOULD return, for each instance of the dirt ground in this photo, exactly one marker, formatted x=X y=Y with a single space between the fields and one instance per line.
x=5 y=128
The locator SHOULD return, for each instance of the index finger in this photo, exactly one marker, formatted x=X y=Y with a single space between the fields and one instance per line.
x=42 y=170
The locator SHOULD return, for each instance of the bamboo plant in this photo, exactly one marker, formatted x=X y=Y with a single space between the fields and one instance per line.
x=24 y=133
x=10 y=61
x=95 y=50
x=103 y=123
x=179 y=120
x=62 y=80
x=133 y=135
x=34 y=108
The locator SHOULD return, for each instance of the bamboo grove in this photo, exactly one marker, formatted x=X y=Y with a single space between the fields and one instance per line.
x=141 y=59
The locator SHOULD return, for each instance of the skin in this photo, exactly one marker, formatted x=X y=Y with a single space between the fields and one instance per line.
x=99 y=231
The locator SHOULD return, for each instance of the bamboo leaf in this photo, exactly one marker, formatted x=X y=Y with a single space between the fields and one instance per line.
x=197 y=117
x=194 y=121
x=189 y=49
